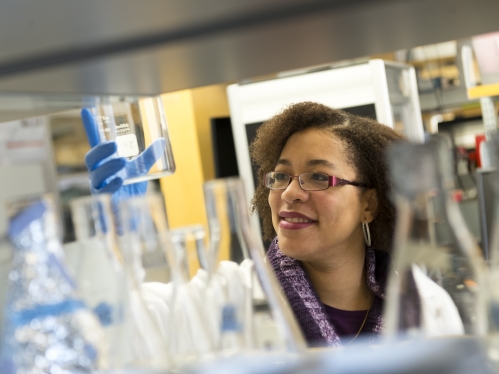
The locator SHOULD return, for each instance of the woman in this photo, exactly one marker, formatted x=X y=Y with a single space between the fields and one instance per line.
x=324 y=202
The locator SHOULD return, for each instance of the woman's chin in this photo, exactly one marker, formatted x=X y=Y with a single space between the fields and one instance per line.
x=293 y=248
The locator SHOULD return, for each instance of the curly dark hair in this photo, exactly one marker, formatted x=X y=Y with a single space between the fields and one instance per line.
x=366 y=141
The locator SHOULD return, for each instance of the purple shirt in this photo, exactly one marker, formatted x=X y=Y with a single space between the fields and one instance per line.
x=346 y=323
x=309 y=310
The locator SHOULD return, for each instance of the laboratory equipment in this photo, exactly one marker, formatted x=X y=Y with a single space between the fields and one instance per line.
x=138 y=127
x=254 y=305
x=437 y=285
x=192 y=305
x=97 y=266
x=141 y=226
x=190 y=248
x=47 y=327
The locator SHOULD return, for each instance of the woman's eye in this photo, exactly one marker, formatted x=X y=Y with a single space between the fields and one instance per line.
x=319 y=177
x=280 y=176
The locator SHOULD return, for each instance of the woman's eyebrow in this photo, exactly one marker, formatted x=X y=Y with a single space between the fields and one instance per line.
x=317 y=162
x=284 y=162
x=321 y=163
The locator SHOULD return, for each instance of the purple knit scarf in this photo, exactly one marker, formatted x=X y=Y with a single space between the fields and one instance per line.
x=310 y=311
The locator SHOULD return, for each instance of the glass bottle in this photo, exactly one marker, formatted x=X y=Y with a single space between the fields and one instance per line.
x=47 y=327
x=99 y=273
x=259 y=299
x=437 y=283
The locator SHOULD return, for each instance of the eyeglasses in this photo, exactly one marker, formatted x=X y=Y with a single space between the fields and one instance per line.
x=277 y=180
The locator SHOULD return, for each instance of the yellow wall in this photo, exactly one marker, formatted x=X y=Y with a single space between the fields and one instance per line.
x=183 y=190
x=209 y=102
x=188 y=114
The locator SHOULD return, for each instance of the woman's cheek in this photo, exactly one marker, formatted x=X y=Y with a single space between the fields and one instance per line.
x=273 y=203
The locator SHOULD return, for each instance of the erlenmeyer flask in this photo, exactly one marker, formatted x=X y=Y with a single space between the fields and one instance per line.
x=47 y=326
x=436 y=286
x=191 y=310
x=258 y=298
x=99 y=273
x=143 y=239
x=189 y=243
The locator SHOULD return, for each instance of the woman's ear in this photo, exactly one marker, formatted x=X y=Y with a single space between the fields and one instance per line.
x=370 y=205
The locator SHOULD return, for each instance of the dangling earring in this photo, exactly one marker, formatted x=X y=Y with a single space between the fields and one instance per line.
x=367 y=234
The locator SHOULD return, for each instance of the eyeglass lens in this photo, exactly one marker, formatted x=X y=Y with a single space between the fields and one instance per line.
x=308 y=181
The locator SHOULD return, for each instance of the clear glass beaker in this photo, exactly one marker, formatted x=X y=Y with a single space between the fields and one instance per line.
x=139 y=128
x=437 y=281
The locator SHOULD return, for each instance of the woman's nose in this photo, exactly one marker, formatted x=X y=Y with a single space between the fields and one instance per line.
x=294 y=192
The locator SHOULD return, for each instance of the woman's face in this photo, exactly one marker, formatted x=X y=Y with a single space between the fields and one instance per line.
x=314 y=225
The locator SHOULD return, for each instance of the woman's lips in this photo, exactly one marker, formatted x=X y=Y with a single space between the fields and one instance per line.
x=294 y=221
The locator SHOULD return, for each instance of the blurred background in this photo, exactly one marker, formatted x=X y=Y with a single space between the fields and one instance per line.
x=55 y=56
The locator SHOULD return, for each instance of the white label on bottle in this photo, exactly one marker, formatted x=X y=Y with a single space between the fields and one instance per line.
x=127 y=145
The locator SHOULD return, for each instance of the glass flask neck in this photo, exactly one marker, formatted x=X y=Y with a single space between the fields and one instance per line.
x=435 y=255
x=422 y=209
